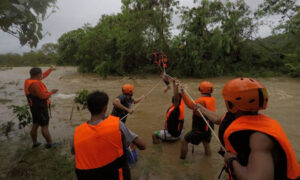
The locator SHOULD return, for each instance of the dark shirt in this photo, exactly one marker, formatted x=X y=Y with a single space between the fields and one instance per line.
x=119 y=112
x=174 y=124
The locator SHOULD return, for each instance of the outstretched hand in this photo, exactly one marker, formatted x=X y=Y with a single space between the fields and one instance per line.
x=53 y=68
x=130 y=111
x=54 y=91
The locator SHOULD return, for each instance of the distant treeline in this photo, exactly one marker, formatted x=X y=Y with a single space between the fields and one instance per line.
x=45 y=56
x=216 y=39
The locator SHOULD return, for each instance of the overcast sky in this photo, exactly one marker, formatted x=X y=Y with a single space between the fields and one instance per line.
x=73 y=14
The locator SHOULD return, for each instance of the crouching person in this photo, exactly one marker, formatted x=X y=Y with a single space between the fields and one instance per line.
x=100 y=143
x=174 y=119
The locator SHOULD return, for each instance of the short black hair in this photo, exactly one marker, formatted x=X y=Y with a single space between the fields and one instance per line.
x=35 y=71
x=96 y=101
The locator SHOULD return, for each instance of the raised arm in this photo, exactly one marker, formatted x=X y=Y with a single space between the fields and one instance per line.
x=260 y=163
x=47 y=72
x=175 y=93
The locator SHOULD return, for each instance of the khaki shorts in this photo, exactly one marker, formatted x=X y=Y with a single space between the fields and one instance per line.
x=164 y=135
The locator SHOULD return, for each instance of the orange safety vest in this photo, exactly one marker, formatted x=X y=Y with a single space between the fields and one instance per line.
x=98 y=145
x=266 y=125
x=198 y=124
x=210 y=103
x=27 y=84
x=181 y=114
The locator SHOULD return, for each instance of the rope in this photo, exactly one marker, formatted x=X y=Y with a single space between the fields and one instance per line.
x=203 y=118
x=135 y=107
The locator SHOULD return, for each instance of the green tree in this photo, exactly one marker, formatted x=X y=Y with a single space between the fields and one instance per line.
x=68 y=45
x=22 y=18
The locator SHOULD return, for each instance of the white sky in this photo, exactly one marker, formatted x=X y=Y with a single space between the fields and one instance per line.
x=73 y=14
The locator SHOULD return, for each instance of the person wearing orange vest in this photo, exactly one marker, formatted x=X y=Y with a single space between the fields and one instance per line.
x=174 y=119
x=122 y=104
x=200 y=131
x=38 y=99
x=100 y=144
x=257 y=146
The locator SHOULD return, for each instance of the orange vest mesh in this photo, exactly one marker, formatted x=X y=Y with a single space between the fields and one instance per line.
x=98 y=145
x=266 y=125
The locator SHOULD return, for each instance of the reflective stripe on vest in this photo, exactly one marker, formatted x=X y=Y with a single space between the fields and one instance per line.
x=171 y=109
x=266 y=125
x=98 y=145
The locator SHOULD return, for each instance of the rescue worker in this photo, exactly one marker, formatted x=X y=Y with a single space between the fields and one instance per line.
x=200 y=131
x=257 y=146
x=100 y=143
x=174 y=119
x=38 y=99
x=122 y=104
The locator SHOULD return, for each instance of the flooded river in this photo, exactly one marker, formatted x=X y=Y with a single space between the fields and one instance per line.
x=158 y=161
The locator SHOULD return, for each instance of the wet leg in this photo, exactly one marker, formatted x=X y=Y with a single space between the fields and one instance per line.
x=184 y=149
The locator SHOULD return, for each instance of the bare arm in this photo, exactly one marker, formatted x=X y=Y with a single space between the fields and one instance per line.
x=117 y=104
x=139 y=143
x=260 y=163
x=135 y=101
x=176 y=94
x=212 y=116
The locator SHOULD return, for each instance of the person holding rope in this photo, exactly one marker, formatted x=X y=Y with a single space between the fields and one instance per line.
x=174 y=119
x=122 y=104
x=100 y=144
x=200 y=131
x=256 y=146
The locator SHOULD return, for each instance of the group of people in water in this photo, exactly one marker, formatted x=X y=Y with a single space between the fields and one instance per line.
x=254 y=146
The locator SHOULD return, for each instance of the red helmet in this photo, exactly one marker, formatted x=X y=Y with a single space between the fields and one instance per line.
x=245 y=94
x=127 y=89
x=206 y=87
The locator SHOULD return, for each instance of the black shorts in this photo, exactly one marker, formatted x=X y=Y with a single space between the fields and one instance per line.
x=40 y=115
x=197 y=137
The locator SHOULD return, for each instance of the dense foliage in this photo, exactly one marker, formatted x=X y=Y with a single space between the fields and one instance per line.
x=216 y=38
x=22 y=18
x=45 y=56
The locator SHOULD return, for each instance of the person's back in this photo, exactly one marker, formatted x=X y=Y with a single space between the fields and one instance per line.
x=174 y=120
x=107 y=140
x=99 y=144
x=200 y=131
x=198 y=124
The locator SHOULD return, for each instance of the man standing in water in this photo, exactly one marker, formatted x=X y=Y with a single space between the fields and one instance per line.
x=200 y=131
x=100 y=143
x=174 y=119
x=38 y=99
x=256 y=145
x=122 y=104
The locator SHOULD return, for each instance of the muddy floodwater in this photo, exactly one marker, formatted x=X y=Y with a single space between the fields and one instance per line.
x=157 y=161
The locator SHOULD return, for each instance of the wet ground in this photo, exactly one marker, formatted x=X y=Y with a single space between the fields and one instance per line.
x=158 y=161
